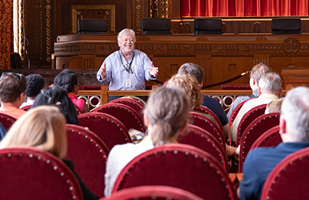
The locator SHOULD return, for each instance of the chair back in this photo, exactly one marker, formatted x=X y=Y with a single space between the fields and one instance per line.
x=207 y=26
x=204 y=109
x=248 y=117
x=92 y=26
x=288 y=180
x=89 y=154
x=235 y=112
x=200 y=138
x=108 y=128
x=26 y=108
x=77 y=109
x=181 y=166
x=257 y=127
x=269 y=138
x=156 y=26
x=30 y=173
x=207 y=124
x=151 y=192
x=128 y=116
x=133 y=103
x=7 y=120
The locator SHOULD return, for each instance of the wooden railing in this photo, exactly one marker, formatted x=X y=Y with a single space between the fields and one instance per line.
x=225 y=97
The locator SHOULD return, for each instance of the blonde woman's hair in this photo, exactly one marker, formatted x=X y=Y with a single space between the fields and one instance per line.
x=42 y=127
x=167 y=111
x=190 y=86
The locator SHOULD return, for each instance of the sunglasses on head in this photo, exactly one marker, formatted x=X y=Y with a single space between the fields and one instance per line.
x=13 y=73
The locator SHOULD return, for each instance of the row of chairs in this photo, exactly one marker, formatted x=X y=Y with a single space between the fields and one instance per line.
x=201 y=26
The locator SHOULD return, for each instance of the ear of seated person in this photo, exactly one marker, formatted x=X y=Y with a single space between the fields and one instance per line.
x=44 y=128
x=295 y=136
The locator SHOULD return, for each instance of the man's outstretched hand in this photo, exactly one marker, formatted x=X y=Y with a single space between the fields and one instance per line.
x=153 y=70
x=103 y=71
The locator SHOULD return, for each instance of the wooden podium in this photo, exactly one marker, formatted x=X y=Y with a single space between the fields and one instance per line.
x=295 y=77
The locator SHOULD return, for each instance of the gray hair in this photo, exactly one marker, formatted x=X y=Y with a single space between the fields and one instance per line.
x=258 y=71
x=295 y=111
x=271 y=82
x=193 y=69
x=167 y=111
x=125 y=32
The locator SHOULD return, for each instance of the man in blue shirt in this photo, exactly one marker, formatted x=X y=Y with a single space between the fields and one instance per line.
x=127 y=68
x=294 y=131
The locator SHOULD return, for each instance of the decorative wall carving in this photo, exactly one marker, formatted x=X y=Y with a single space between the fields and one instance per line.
x=138 y=15
x=48 y=22
x=154 y=10
x=291 y=45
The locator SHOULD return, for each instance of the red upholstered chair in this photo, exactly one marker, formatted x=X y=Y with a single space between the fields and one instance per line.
x=204 y=109
x=30 y=173
x=89 y=155
x=246 y=120
x=153 y=192
x=233 y=116
x=109 y=129
x=7 y=120
x=128 y=116
x=26 y=108
x=207 y=124
x=269 y=138
x=288 y=180
x=133 y=103
x=77 y=109
x=198 y=137
x=254 y=131
x=178 y=165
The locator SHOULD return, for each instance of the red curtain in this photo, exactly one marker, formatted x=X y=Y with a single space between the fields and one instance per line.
x=241 y=8
x=6 y=30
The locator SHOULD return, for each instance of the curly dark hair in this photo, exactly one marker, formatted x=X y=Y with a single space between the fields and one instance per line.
x=35 y=83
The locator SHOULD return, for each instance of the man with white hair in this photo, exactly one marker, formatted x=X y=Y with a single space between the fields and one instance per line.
x=269 y=89
x=127 y=68
x=294 y=132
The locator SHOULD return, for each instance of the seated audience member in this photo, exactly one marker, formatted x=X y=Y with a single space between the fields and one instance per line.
x=211 y=103
x=256 y=73
x=35 y=83
x=274 y=106
x=44 y=128
x=294 y=131
x=67 y=80
x=57 y=96
x=269 y=90
x=193 y=91
x=166 y=116
x=12 y=93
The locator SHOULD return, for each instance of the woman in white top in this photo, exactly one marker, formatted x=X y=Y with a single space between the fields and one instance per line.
x=166 y=116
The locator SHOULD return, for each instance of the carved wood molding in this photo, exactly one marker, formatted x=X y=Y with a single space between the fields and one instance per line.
x=48 y=22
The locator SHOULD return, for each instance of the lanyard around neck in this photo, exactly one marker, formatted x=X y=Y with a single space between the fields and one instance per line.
x=129 y=70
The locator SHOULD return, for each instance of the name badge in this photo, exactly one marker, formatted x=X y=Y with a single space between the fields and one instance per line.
x=128 y=83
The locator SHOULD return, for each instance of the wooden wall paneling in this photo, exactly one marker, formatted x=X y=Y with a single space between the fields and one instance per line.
x=224 y=68
x=34 y=32
x=205 y=62
x=168 y=66
x=261 y=58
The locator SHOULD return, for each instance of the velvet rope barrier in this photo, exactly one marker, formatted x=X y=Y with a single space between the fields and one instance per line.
x=215 y=84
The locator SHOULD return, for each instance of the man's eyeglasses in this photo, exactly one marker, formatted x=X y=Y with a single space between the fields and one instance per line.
x=13 y=73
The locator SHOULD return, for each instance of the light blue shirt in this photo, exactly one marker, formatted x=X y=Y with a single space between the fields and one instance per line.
x=117 y=76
